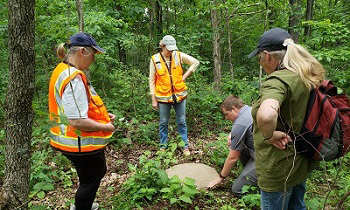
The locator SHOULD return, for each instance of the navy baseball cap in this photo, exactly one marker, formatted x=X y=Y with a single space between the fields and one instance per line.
x=271 y=40
x=84 y=39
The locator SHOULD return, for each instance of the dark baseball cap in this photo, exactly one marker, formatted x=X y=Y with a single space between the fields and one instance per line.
x=84 y=39
x=271 y=40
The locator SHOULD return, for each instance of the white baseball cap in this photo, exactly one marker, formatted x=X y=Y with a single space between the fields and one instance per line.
x=169 y=42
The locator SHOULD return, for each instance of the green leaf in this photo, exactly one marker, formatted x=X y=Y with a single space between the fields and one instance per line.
x=185 y=199
x=48 y=186
x=163 y=176
x=189 y=181
x=173 y=147
x=190 y=190
x=167 y=189
x=125 y=141
x=181 y=143
x=175 y=186
x=134 y=121
x=245 y=189
x=41 y=194
x=173 y=200
x=175 y=179
x=167 y=161
x=39 y=186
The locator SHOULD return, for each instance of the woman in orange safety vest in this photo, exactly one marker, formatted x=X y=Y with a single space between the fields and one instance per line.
x=168 y=88
x=88 y=128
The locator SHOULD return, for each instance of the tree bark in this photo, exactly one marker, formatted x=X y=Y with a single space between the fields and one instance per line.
x=18 y=104
x=159 y=19
x=216 y=47
x=79 y=4
x=308 y=16
x=229 y=44
x=150 y=34
x=294 y=19
x=121 y=49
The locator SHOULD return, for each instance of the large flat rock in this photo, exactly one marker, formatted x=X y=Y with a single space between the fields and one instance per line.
x=202 y=173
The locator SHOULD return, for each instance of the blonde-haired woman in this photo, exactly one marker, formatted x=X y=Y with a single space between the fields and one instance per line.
x=292 y=73
x=83 y=139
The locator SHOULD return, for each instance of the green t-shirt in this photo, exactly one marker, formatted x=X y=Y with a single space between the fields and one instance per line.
x=279 y=169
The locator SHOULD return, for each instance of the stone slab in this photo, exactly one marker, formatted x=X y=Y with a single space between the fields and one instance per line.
x=202 y=173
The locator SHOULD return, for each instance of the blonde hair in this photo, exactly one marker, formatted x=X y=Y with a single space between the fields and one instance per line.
x=298 y=60
x=63 y=55
x=230 y=101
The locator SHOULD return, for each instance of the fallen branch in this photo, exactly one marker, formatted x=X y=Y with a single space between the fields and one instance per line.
x=342 y=200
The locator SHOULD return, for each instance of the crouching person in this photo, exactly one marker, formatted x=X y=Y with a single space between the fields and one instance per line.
x=241 y=145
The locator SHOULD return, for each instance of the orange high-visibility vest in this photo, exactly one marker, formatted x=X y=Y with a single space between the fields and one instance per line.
x=68 y=138
x=168 y=81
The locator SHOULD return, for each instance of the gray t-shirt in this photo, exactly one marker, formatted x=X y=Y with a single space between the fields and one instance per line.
x=241 y=133
x=78 y=108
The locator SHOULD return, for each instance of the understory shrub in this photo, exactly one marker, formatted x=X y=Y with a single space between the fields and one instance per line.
x=149 y=182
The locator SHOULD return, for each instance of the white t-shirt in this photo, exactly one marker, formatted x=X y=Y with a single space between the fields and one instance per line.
x=75 y=100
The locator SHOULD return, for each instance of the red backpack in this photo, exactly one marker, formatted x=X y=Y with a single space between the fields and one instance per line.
x=325 y=134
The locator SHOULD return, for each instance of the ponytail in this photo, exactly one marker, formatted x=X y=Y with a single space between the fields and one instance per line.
x=298 y=60
x=61 y=51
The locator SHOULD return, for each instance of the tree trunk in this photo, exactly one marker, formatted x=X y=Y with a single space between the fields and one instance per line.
x=229 y=44
x=121 y=49
x=79 y=4
x=216 y=47
x=18 y=104
x=122 y=53
x=294 y=19
x=159 y=19
x=150 y=34
x=308 y=16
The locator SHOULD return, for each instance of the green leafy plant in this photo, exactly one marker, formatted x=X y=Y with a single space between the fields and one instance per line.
x=218 y=150
x=251 y=198
x=148 y=178
x=180 y=191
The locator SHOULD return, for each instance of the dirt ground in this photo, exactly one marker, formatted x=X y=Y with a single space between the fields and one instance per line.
x=117 y=164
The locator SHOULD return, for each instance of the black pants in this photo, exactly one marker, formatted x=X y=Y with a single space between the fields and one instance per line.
x=91 y=169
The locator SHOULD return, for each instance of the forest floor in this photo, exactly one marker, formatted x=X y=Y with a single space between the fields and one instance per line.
x=118 y=172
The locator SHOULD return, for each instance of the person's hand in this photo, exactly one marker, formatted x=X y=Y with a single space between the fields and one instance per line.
x=111 y=117
x=214 y=182
x=154 y=103
x=279 y=139
x=229 y=140
x=110 y=127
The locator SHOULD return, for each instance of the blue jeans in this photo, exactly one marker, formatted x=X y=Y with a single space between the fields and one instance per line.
x=292 y=199
x=164 y=113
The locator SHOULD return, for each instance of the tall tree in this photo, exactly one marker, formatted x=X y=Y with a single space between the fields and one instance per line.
x=150 y=29
x=121 y=49
x=216 y=46
x=294 y=19
x=229 y=49
x=18 y=104
x=159 y=19
x=79 y=4
x=309 y=15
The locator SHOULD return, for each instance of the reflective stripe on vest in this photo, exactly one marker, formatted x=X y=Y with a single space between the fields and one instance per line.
x=157 y=60
x=168 y=83
x=58 y=85
x=176 y=58
x=69 y=141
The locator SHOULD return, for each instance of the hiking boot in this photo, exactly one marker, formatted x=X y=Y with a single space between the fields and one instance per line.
x=94 y=206
x=186 y=152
